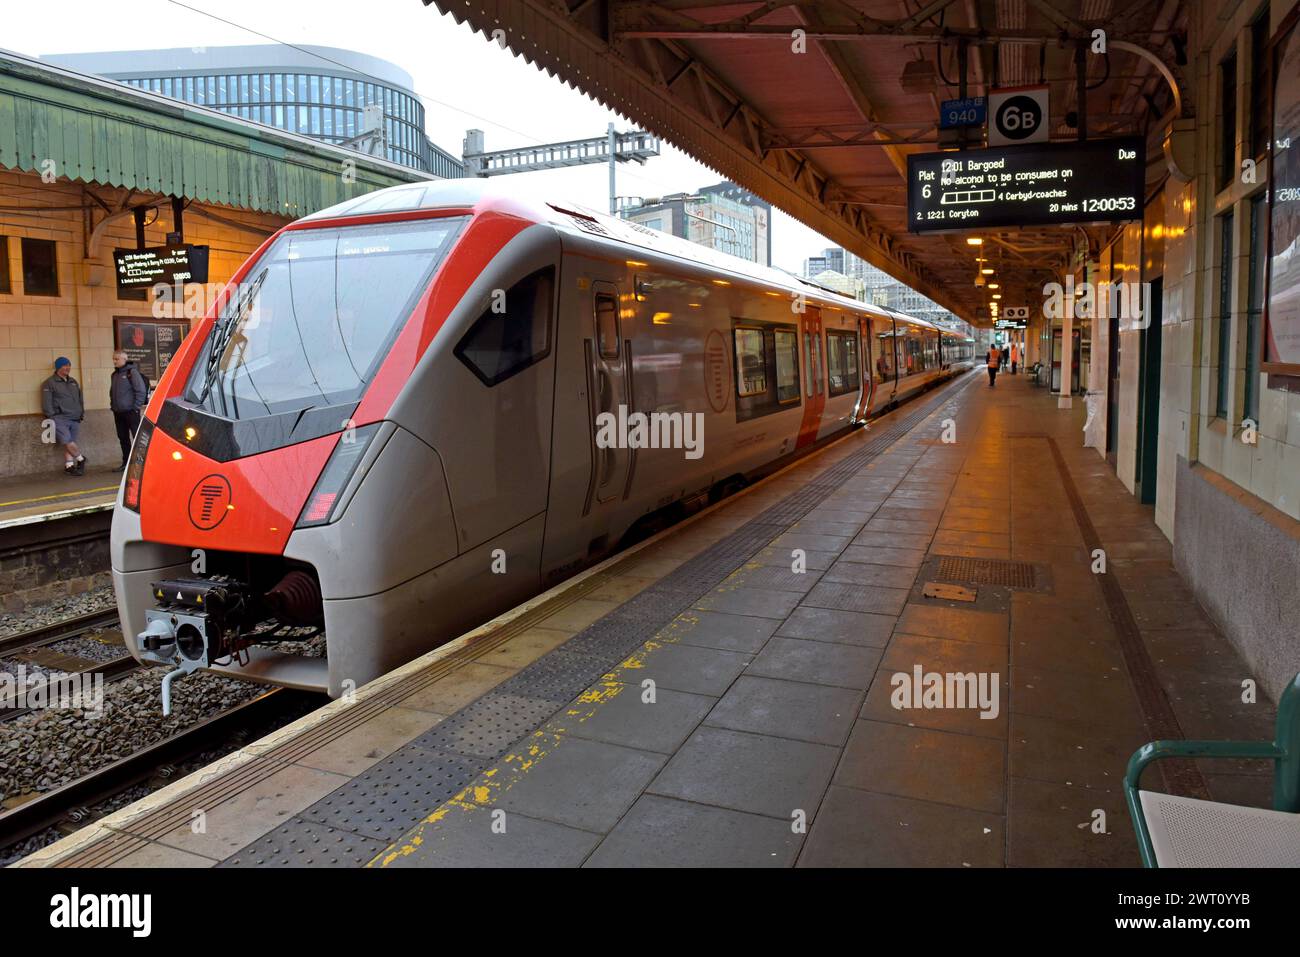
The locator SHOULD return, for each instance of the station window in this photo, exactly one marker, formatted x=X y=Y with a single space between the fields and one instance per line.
x=1225 y=314
x=1259 y=110
x=40 y=268
x=1255 y=302
x=1228 y=120
x=501 y=344
x=842 y=362
x=4 y=265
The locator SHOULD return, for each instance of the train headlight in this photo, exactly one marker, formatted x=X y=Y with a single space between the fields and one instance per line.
x=133 y=486
x=322 y=504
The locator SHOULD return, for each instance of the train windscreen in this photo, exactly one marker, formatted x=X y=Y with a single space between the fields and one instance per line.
x=315 y=316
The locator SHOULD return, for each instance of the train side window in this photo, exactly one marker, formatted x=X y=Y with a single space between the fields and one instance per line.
x=607 y=324
x=885 y=356
x=509 y=337
x=787 y=366
x=751 y=362
x=767 y=368
x=842 y=361
x=813 y=359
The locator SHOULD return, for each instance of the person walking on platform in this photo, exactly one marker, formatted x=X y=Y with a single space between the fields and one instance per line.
x=993 y=361
x=61 y=402
x=1015 y=356
x=127 y=395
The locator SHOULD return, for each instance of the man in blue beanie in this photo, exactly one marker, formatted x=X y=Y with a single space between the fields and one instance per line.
x=61 y=401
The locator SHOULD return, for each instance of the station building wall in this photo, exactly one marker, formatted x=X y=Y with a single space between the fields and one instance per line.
x=78 y=322
x=1231 y=507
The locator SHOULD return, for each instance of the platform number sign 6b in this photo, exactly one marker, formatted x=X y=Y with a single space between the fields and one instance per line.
x=1018 y=116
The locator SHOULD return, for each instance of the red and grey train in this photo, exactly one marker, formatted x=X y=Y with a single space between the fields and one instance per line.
x=389 y=429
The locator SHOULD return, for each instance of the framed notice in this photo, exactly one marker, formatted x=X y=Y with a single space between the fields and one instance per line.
x=1282 y=301
x=149 y=343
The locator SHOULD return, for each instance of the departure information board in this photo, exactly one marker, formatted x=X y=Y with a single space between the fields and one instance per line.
x=1038 y=185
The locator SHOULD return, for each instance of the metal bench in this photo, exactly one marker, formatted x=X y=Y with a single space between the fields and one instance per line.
x=1184 y=832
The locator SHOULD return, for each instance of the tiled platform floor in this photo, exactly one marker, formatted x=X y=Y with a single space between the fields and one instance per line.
x=770 y=738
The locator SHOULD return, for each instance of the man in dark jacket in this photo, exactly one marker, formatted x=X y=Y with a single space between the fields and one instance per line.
x=61 y=402
x=127 y=396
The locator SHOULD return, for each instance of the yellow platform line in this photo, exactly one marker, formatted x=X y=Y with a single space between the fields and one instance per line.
x=488 y=787
x=48 y=498
x=491 y=784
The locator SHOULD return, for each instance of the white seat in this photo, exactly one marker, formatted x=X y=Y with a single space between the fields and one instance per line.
x=1190 y=833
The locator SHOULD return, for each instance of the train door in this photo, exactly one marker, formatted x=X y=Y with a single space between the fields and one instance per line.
x=609 y=384
x=867 y=348
x=814 y=380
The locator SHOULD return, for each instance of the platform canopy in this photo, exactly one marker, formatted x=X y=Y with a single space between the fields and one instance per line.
x=99 y=132
x=824 y=133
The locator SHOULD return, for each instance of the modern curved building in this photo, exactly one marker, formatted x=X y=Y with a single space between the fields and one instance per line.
x=314 y=91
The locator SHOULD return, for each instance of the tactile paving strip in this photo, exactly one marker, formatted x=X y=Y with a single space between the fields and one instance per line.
x=488 y=727
x=561 y=677
x=988 y=571
x=382 y=804
x=303 y=843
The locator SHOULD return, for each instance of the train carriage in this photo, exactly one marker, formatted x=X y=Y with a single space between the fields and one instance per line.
x=420 y=407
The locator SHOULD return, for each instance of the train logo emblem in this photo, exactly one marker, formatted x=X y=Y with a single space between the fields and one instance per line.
x=717 y=371
x=209 y=502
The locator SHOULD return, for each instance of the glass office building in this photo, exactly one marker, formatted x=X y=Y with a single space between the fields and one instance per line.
x=320 y=92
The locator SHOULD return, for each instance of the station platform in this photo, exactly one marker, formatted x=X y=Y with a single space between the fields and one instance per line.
x=696 y=701
x=53 y=495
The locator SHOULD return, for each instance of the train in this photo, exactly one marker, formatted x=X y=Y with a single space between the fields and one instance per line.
x=418 y=408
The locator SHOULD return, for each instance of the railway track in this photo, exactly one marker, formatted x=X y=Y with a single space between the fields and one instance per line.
x=33 y=647
x=71 y=806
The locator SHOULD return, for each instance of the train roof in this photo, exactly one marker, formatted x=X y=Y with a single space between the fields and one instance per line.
x=573 y=217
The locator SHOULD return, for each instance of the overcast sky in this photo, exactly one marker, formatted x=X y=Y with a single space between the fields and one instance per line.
x=465 y=81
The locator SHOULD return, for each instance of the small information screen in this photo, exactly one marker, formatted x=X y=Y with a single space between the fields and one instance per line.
x=143 y=268
x=1037 y=185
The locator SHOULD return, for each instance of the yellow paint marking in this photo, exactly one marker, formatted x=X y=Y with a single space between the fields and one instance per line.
x=50 y=498
x=482 y=793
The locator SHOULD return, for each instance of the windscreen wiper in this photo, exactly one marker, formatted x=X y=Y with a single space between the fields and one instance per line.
x=223 y=332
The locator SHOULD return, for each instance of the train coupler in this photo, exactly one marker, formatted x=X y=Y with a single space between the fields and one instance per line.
x=196 y=625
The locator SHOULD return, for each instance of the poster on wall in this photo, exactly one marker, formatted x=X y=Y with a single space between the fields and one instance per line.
x=149 y=343
x=1282 y=343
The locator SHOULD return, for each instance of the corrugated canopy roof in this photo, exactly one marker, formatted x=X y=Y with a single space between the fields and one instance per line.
x=96 y=131
x=825 y=135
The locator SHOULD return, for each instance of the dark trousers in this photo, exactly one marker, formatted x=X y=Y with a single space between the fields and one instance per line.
x=1013 y=366
x=993 y=374
x=127 y=423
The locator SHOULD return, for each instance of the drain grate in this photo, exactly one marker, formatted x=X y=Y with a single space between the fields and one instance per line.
x=987 y=571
